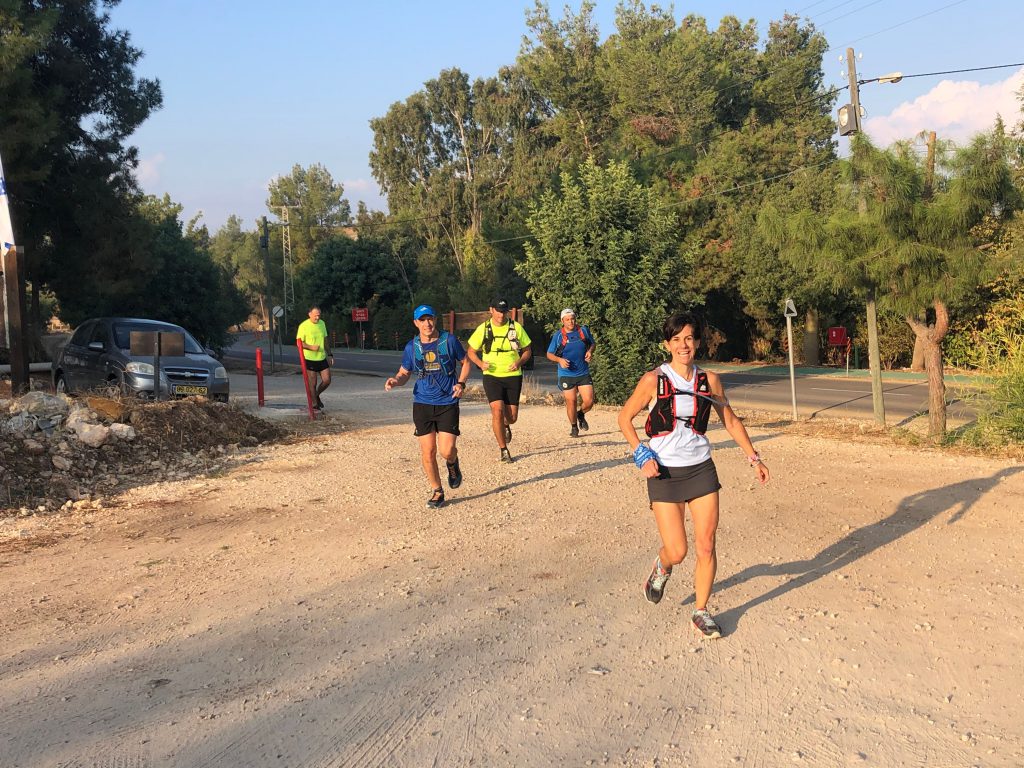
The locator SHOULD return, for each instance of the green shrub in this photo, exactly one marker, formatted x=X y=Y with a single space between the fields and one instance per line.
x=895 y=339
x=995 y=344
x=987 y=339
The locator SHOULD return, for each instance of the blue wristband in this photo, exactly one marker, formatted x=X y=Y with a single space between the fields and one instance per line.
x=642 y=455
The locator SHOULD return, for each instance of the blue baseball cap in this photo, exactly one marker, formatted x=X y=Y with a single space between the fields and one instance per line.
x=422 y=310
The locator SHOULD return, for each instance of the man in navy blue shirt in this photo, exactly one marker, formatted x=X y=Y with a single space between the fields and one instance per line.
x=570 y=349
x=434 y=357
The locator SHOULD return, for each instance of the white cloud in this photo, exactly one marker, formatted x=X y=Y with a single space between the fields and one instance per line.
x=361 y=185
x=367 y=191
x=148 y=172
x=955 y=109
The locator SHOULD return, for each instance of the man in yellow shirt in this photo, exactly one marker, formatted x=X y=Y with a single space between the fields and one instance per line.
x=499 y=347
x=313 y=335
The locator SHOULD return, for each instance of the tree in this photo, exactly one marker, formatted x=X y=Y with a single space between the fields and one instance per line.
x=889 y=239
x=317 y=209
x=562 y=62
x=71 y=101
x=455 y=158
x=605 y=247
x=346 y=273
x=237 y=253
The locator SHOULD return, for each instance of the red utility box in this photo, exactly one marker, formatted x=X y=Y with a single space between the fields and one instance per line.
x=837 y=337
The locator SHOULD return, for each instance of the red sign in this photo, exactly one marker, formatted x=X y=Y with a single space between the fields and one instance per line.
x=837 y=337
x=361 y=315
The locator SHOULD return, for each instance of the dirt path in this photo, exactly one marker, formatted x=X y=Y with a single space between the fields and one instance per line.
x=306 y=609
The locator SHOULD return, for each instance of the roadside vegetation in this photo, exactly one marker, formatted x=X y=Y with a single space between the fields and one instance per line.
x=662 y=165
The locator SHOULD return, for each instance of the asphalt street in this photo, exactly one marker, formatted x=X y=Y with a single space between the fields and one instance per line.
x=821 y=392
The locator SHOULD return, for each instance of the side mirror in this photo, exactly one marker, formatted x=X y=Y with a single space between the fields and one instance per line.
x=211 y=353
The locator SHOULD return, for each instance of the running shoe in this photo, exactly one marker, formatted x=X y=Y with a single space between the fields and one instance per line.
x=319 y=405
x=506 y=457
x=454 y=475
x=437 y=499
x=508 y=434
x=705 y=624
x=654 y=587
x=582 y=421
x=575 y=431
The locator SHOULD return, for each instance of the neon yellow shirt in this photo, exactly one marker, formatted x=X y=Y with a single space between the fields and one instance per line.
x=313 y=333
x=503 y=352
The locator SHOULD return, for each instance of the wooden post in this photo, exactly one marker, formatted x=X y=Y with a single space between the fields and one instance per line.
x=14 y=311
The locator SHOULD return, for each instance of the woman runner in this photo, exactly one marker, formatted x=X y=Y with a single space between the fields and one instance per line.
x=678 y=465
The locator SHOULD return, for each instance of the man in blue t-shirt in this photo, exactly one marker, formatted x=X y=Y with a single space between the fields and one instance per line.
x=570 y=349
x=433 y=357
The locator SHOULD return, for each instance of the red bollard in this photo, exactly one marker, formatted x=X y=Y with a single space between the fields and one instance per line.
x=259 y=377
x=305 y=380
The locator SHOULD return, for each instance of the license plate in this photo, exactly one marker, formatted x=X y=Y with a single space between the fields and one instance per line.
x=188 y=389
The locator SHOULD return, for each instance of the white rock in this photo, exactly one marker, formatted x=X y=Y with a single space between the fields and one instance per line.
x=93 y=435
x=21 y=422
x=123 y=431
x=42 y=404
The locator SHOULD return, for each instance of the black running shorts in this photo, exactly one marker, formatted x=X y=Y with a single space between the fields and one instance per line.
x=680 y=484
x=503 y=388
x=435 y=418
x=317 y=365
x=566 y=383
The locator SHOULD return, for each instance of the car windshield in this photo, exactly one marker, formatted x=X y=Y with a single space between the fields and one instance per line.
x=123 y=335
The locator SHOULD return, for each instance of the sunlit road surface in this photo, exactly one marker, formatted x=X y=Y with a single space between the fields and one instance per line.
x=826 y=396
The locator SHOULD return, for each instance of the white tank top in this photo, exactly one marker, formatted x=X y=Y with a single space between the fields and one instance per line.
x=682 y=447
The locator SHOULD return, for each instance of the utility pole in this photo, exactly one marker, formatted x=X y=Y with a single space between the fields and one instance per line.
x=849 y=123
x=917 y=362
x=265 y=247
x=289 y=280
x=929 y=178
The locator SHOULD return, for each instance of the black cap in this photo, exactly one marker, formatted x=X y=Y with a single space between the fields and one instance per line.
x=500 y=304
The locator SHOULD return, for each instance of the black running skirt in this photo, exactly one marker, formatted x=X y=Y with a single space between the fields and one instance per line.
x=680 y=484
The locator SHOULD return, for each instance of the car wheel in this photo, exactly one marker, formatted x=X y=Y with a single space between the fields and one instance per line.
x=60 y=385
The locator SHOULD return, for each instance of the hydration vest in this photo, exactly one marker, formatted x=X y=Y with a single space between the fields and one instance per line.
x=661 y=420
x=560 y=348
x=444 y=352
x=510 y=335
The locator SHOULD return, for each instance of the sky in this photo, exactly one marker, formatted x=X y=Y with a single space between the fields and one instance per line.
x=252 y=88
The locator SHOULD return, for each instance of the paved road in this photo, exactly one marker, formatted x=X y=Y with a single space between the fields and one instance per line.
x=832 y=394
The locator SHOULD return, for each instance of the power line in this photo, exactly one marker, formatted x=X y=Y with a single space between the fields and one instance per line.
x=950 y=72
x=834 y=8
x=808 y=7
x=908 y=21
x=850 y=13
x=784 y=111
x=754 y=183
x=718 y=193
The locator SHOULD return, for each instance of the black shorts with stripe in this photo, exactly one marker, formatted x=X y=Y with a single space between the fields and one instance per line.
x=435 y=418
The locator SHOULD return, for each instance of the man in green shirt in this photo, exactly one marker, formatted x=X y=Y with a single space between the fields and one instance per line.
x=313 y=335
x=499 y=347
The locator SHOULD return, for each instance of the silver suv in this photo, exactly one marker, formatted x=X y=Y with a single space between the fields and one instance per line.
x=98 y=356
